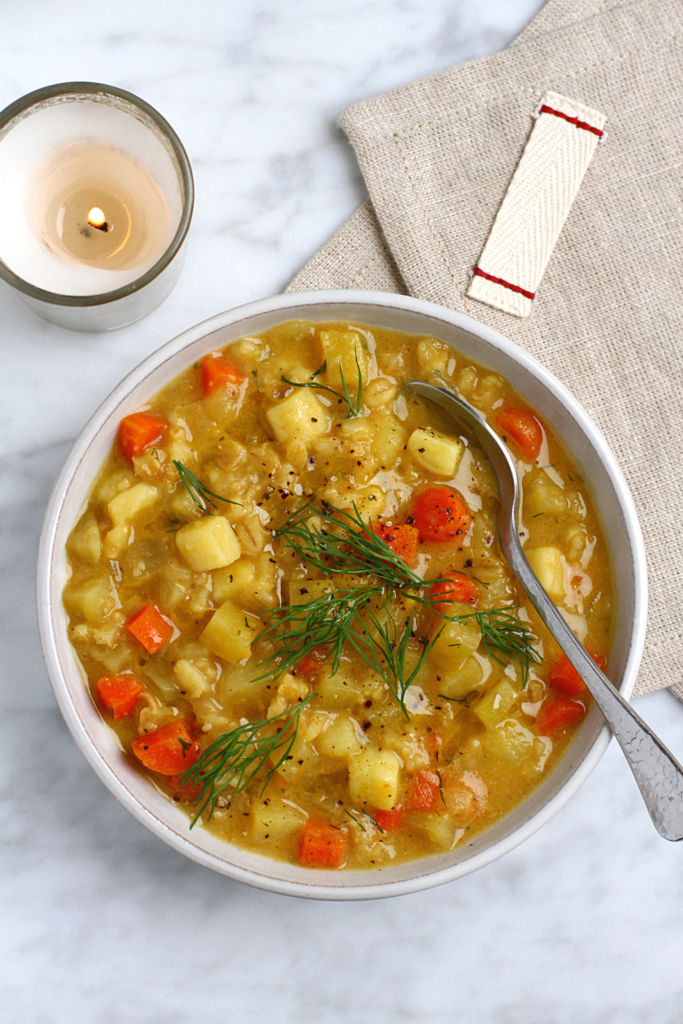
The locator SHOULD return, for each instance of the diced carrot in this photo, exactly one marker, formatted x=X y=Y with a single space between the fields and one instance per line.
x=217 y=373
x=322 y=845
x=424 y=791
x=118 y=695
x=563 y=676
x=169 y=750
x=150 y=628
x=402 y=539
x=460 y=588
x=389 y=820
x=558 y=714
x=440 y=514
x=184 y=792
x=523 y=429
x=310 y=663
x=140 y=431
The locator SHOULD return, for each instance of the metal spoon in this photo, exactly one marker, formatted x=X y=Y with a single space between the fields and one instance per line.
x=657 y=772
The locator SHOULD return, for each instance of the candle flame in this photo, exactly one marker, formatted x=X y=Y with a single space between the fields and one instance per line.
x=96 y=217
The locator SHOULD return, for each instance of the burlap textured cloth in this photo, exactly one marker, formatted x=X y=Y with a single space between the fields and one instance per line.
x=438 y=156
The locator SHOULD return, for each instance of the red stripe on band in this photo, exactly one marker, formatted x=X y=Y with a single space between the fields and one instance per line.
x=572 y=120
x=478 y=272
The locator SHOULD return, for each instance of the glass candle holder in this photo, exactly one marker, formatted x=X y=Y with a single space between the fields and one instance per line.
x=96 y=198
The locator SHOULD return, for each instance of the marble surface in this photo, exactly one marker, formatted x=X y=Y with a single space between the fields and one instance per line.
x=101 y=921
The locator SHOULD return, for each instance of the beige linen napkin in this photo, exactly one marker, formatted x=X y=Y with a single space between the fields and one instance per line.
x=438 y=156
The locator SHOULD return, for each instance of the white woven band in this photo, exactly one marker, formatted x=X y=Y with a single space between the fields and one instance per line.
x=536 y=204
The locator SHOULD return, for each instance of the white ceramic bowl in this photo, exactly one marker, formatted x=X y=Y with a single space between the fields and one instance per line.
x=539 y=388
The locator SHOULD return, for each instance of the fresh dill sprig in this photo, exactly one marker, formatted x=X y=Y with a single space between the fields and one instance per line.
x=345 y=544
x=384 y=648
x=354 y=407
x=503 y=632
x=199 y=492
x=236 y=758
x=326 y=621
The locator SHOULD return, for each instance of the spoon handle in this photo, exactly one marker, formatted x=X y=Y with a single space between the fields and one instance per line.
x=656 y=770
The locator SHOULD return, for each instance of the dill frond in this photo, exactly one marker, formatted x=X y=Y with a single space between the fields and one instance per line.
x=237 y=757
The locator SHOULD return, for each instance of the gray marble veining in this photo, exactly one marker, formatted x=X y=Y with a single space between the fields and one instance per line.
x=103 y=923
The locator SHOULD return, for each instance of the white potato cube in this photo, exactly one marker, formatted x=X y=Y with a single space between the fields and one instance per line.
x=509 y=740
x=439 y=454
x=547 y=564
x=542 y=495
x=339 y=739
x=339 y=350
x=455 y=641
x=494 y=706
x=374 y=778
x=94 y=598
x=439 y=829
x=232 y=581
x=208 y=544
x=460 y=682
x=273 y=819
x=85 y=541
x=231 y=632
x=298 y=417
x=130 y=503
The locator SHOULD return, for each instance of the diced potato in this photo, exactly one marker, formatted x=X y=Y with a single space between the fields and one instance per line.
x=181 y=504
x=208 y=544
x=461 y=681
x=85 y=541
x=370 y=501
x=339 y=349
x=439 y=829
x=158 y=671
x=495 y=705
x=542 y=495
x=510 y=740
x=547 y=564
x=94 y=598
x=340 y=690
x=116 y=541
x=130 y=503
x=273 y=819
x=388 y=438
x=439 y=454
x=301 y=760
x=456 y=641
x=233 y=580
x=374 y=777
x=231 y=632
x=298 y=417
x=340 y=739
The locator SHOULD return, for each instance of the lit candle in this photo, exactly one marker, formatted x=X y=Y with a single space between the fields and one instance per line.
x=95 y=202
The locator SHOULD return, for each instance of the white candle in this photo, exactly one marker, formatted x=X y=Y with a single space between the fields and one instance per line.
x=95 y=202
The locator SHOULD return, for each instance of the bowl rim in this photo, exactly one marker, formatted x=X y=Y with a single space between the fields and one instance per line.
x=50 y=643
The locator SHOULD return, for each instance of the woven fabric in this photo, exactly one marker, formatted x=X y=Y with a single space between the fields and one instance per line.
x=438 y=156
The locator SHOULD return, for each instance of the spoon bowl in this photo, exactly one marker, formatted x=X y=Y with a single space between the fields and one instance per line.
x=657 y=772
